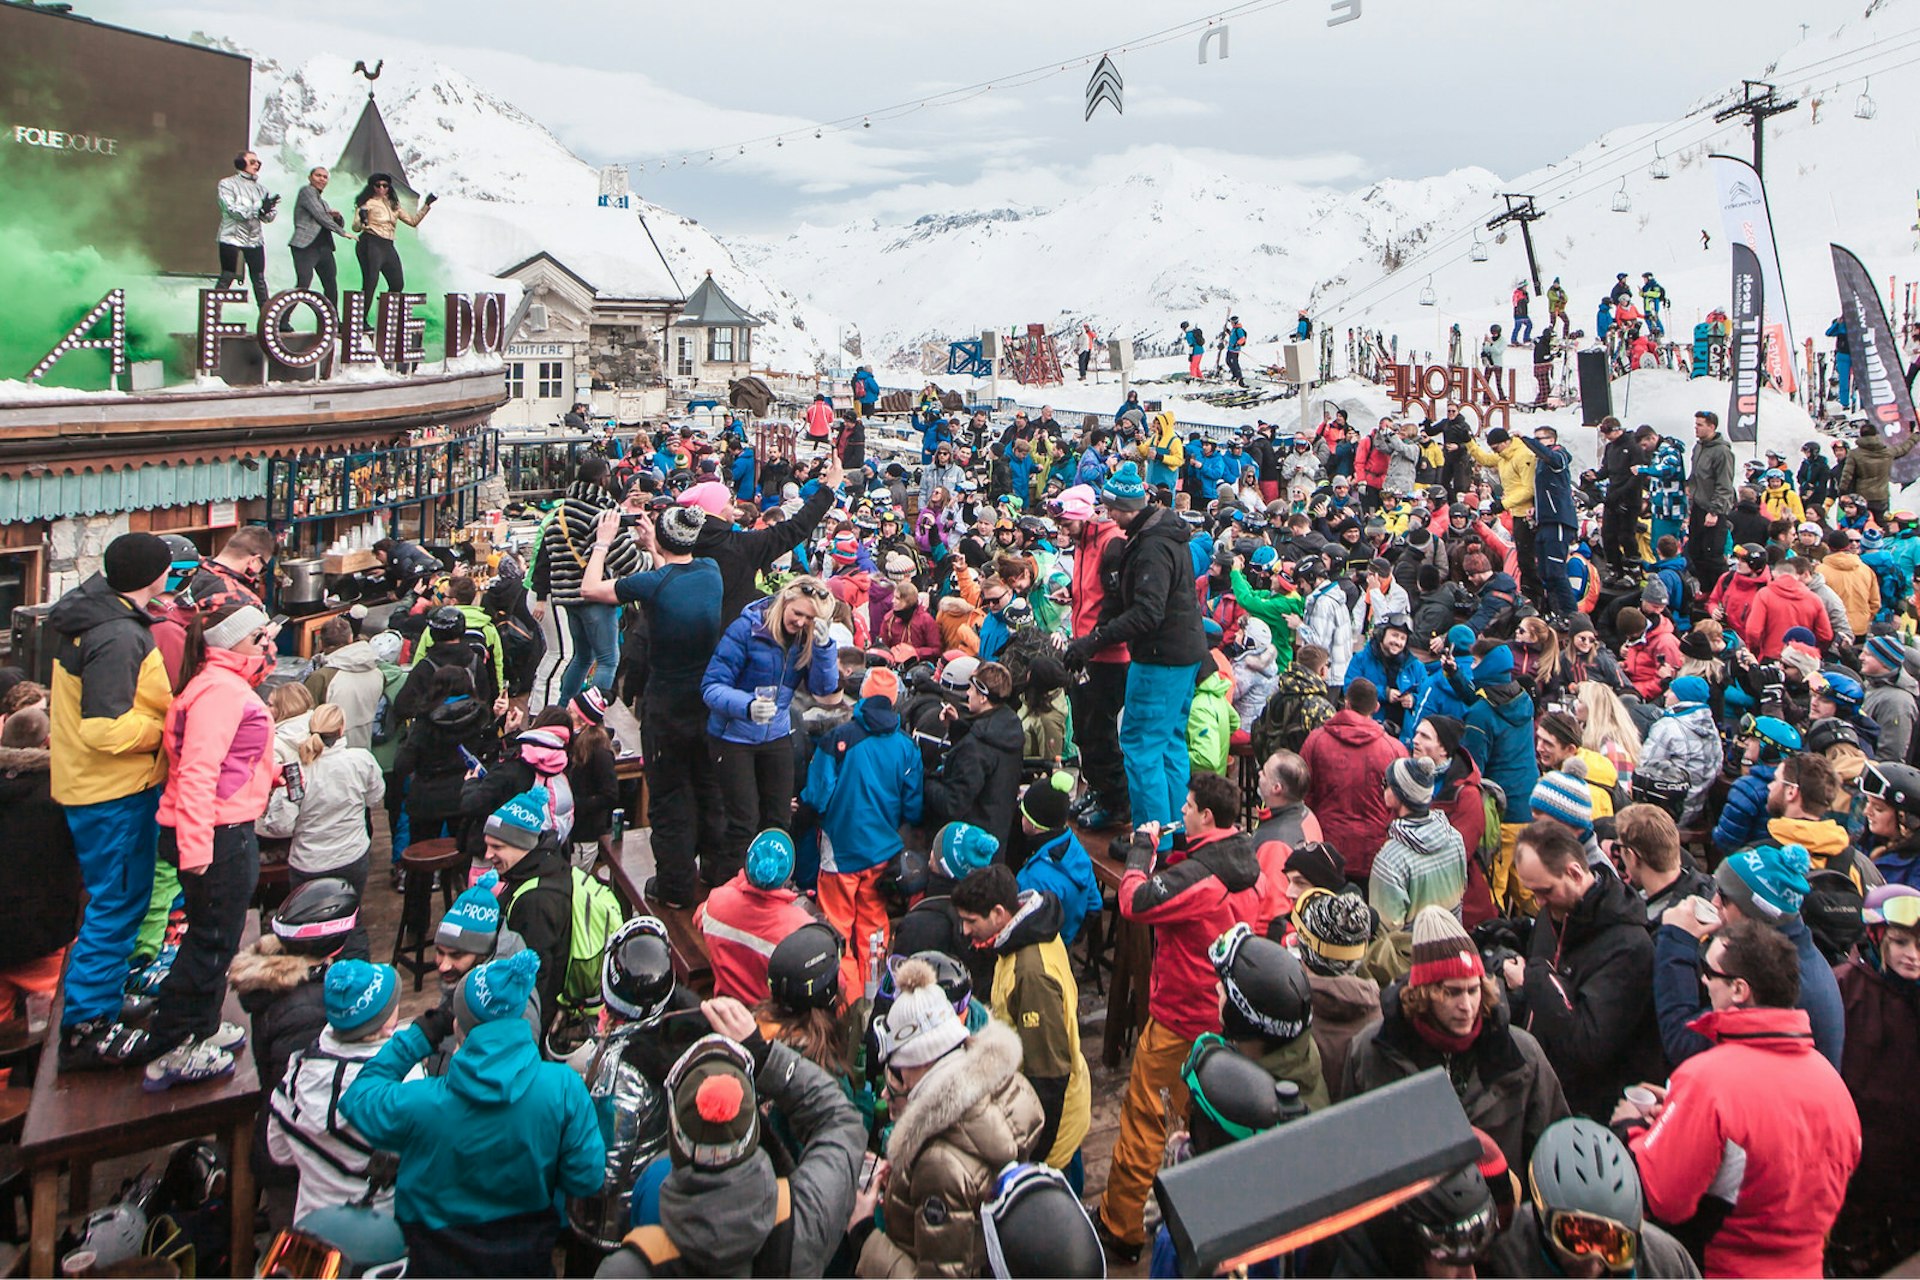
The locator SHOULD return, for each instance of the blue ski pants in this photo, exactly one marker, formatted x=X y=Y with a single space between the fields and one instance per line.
x=115 y=842
x=1153 y=740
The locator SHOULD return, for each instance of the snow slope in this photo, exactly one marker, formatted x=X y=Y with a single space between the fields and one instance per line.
x=1174 y=239
x=508 y=188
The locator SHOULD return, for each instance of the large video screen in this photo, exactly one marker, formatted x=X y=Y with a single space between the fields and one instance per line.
x=116 y=139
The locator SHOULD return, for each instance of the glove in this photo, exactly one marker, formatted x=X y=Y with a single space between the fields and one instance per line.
x=436 y=1024
x=763 y=710
x=1077 y=652
x=821 y=626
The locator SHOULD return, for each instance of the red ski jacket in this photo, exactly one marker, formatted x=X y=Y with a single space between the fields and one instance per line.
x=1764 y=1124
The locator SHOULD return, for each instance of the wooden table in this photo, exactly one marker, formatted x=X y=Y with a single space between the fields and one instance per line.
x=77 y=1120
x=626 y=875
x=1132 y=970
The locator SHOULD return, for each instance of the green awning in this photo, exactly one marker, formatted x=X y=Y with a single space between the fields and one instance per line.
x=54 y=497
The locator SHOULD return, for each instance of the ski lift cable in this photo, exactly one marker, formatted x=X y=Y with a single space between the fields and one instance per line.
x=1052 y=67
x=1626 y=152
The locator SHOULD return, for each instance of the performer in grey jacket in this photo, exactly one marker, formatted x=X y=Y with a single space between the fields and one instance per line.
x=244 y=205
x=314 y=227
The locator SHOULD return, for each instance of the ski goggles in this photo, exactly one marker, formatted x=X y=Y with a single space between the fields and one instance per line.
x=1876 y=785
x=1460 y=1242
x=1588 y=1235
x=295 y=1253
x=710 y=1155
x=1902 y=912
x=1211 y=1042
x=1015 y=1182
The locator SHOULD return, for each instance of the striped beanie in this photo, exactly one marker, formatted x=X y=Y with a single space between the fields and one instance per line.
x=1410 y=778
x=1442 y=951
x=1333 y=929
x=1888 y=649
x=1564 y=798
x=1124 y=490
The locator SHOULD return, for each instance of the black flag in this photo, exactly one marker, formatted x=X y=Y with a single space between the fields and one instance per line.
x=1877 y=377
x=1746 y=314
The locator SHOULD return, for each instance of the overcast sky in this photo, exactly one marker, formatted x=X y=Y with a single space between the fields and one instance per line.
x=1413 y=87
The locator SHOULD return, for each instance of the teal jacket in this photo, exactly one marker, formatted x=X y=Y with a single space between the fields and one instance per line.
x=501 y=1133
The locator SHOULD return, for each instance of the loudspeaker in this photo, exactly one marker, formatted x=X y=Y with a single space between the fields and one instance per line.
x=1119 y=354
x=1238 y=1204
x=990 y=344
x=1596 y=389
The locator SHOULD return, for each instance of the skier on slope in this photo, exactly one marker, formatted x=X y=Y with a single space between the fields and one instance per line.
x=1522 y=322
x=1557 y=307
x=1196 y=347
x=1236 y=341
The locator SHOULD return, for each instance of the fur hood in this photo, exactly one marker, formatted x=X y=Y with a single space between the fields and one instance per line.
x=24 y=759
x=970 y=1079
x=267 y=968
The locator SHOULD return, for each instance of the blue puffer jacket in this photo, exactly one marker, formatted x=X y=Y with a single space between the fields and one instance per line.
x=864 y=782
x=1673 y=576
x=1370 y=663
x=529 y=1124
x=745 y=484
x=1676 y=992
x=1743 y=819
x=1437 y=696
x=1216 y=468
x=748 y=657
x=1062 y=868
x=1552 y=485
x=1092 y=470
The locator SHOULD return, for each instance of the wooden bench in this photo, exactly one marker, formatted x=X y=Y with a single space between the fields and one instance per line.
x=626 y=873
x=77 y=1120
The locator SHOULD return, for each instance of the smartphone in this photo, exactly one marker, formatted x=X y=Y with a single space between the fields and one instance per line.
x=471 y=760
x=278 y=621
x=869 y=1165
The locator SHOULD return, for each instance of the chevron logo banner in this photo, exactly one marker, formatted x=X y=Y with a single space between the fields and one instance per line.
x=1104 y=86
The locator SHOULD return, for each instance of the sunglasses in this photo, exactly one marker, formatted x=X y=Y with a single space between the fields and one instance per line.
x=813 y=593
x=1720 y=974
x=1588 y=1235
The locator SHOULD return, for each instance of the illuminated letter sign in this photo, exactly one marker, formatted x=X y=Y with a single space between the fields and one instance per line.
x=75 y=339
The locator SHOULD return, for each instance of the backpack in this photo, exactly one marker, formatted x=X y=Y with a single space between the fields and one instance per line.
x=596 y=914
x=1288 y=719
x=1493 y=803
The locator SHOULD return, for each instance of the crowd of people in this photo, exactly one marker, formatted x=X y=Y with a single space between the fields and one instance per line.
x=1412 y=747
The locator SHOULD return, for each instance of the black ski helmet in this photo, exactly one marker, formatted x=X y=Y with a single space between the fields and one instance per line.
x=951 y=975
x=1897 y=784
x=1231 y=1096
x=1579 y=1166
x=1663 y=784
x=1309 y=569
x=316 y=918
x=1454 y=1220
x=1822 y=735
x=636 y=978
x=1267 y=994
x=804 y=970
x=186 y=559
x=907 y=882
x=1034 y=1225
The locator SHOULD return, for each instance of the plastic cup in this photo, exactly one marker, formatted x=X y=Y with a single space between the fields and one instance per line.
x=1705 y=912
x=39 y=1011
x=767 y=692
x=1642 y=1098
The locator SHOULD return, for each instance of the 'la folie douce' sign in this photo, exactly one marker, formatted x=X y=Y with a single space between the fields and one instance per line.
x=476 y=324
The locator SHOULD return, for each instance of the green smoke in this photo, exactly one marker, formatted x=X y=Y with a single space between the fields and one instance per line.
x=58 y=257
x=66 y=240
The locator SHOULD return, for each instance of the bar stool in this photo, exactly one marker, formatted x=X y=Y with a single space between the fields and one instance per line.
x=421 y=864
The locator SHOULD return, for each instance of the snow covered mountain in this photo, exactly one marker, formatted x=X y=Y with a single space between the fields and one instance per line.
x=509 y=188
x=1179 y=238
